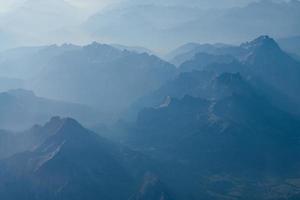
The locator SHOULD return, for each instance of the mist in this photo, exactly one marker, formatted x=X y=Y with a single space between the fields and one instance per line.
x=27 y=23
x=149 y=100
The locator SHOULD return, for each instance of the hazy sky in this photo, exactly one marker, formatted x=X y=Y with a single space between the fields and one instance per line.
x=93 y=5
x=7 y=5
x=35 y=22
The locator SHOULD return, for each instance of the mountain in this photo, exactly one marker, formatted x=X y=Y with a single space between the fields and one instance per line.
x=269 y=63
x=21 y=109
x=75 y=163
x=17 y=142
x=101 y=76
x=135 y=49
x=228 y=144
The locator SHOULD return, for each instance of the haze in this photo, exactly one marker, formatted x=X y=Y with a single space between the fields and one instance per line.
x=149 y=99
x=32 y=22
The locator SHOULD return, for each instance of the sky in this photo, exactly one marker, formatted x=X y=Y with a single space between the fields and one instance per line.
x=93 y=5
x=39 y=22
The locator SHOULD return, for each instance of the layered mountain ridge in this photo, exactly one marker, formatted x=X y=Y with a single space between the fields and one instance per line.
x=223 y=125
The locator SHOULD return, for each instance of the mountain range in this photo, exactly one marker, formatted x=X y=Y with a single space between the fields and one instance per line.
x=97 y=75
x=261 y=60
x=223 y=124
x=222 y=144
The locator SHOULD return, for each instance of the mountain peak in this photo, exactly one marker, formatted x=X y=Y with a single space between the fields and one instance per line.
x=63 y=126
x=96 y=45
x=71 y=123
x=263 y=41
x=262 y=50
x=102 y=50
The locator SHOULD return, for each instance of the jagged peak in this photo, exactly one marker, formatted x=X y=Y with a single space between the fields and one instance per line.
x=58 y=125
x=96 y=45
x=99 y=49
x=71 y=123
x=54 y=121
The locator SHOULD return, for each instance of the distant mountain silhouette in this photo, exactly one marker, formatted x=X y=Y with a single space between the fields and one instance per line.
x=21 y=109
x=135 y=49
x=27 y=62
x=102 y=76
x=187 y=51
